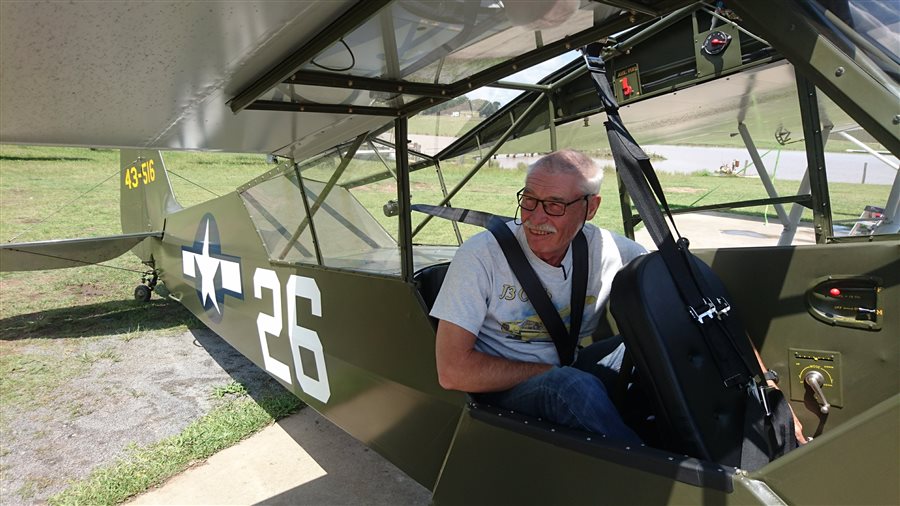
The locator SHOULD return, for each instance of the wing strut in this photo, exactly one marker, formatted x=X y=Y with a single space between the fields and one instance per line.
x=310 y=211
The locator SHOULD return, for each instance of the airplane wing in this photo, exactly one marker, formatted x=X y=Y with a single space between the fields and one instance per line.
x=147 y=74
x=230 y=76
x=60 y=254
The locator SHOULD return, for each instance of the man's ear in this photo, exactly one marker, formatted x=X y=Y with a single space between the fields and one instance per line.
x=593 y=204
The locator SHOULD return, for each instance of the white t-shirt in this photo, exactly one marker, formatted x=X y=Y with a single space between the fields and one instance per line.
x=482 y=295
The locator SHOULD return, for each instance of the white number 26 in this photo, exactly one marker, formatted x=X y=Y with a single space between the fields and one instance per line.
x=300 y=337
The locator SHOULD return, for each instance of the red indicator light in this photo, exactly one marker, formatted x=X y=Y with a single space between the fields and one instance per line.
x=835 y=292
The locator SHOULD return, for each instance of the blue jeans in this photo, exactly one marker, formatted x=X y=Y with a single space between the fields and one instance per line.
x=572 y=396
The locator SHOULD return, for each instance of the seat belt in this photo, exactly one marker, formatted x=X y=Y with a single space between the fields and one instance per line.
x=564 y=340
x=643 y=185
x=458 y=214
x=768 y=425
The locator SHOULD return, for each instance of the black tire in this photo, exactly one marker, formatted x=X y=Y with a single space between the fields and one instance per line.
x=142 y=293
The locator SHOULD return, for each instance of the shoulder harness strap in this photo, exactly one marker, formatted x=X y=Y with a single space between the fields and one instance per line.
x=564 y=340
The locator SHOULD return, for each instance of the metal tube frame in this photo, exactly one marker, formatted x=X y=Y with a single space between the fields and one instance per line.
x=484 y=159
x=443 y=184
x=869 y=150
x=815 y=158
x=429 y=161
x=249 y=98
x=787 y=236
x=763 y=173
x=312 y=228
x=358 y=15
x=891 y=223
x=551 y=119
x=800 y=200
x=325 y=191
x=404 y=233
x=381 y=158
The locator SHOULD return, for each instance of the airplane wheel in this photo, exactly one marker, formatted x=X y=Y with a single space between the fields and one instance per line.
x=142 y=293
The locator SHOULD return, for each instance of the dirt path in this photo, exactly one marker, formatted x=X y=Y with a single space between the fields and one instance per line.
x=135 y=391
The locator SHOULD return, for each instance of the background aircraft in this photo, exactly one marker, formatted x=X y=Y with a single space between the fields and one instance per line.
x=331 y=89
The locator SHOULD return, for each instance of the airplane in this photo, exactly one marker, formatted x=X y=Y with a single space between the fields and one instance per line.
x=297 y=273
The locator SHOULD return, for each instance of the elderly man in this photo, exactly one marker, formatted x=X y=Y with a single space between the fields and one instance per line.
x=490 y=341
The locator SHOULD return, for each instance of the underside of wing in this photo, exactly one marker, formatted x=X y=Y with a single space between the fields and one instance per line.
x=231 y=76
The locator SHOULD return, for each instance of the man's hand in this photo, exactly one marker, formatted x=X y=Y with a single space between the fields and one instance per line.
x=798 y=429
x=461 y=367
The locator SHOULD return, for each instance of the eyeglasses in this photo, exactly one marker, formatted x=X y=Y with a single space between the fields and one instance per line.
x=552 y=208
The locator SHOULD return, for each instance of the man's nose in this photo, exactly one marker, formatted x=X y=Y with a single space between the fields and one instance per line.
x=544 y=212
x=539 y=214
x=538 y=209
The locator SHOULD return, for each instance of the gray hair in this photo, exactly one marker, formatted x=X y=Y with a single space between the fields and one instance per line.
x=571 y=161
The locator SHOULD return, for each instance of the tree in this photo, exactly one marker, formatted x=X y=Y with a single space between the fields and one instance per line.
x=488 y=108
x=453 y=102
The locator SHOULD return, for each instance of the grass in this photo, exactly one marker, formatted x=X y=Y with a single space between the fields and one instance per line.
x=90 y=358
x=233 y=388
x=151 y=465
x=27 y=376
x=493 y=190
x=443 y=125
x=32 y=486
x=47 y=319
x=53 y=193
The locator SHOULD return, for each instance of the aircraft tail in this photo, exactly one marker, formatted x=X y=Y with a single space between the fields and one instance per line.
x=146 y=199
x=146 y=195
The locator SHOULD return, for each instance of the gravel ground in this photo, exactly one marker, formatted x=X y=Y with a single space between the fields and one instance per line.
x=155 y=387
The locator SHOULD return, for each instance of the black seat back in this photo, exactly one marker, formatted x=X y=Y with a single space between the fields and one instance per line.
x=696 y=413
x=429 y=281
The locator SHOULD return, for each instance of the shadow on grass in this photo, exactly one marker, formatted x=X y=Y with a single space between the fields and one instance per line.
x=268 y=393
x=105 y=318
x=119 y=317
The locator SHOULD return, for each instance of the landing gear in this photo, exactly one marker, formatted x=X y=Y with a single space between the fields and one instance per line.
x=143 y=291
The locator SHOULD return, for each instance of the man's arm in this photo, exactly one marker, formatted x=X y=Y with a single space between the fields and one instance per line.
x=461 y=367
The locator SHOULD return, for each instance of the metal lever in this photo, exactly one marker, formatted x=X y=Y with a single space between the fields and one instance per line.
x=815 y=380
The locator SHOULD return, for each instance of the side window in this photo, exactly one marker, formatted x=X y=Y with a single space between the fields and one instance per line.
x=861 y=174
x=343 y=230
x=448 y=129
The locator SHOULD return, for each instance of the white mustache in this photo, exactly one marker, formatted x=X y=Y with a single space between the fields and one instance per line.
x=542 y=227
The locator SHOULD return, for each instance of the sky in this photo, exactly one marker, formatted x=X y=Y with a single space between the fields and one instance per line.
x=529 y=76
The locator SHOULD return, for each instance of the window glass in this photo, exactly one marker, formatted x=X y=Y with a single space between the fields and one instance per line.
x=861 y=173
x=730 y=141
x=445 y=42
x=345 y=230
x=866 y=31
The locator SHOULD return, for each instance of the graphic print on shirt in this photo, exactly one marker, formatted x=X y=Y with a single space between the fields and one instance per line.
x=532 y=329
x=508 y=292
